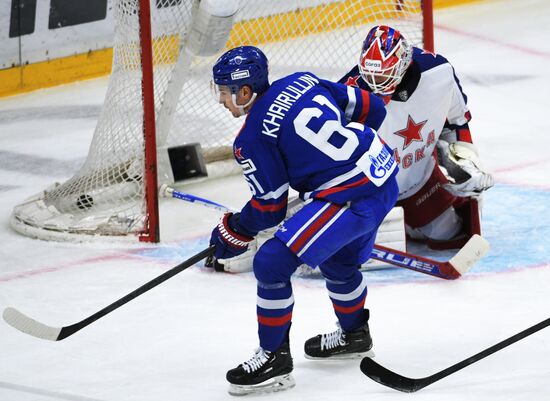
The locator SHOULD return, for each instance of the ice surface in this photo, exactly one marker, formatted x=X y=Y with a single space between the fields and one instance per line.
x=177 y=341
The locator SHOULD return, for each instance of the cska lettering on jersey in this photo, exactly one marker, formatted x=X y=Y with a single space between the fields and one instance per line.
x=413 y=133
x=282 y=103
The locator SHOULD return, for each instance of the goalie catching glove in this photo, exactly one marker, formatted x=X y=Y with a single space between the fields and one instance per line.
x=464 y=169
x=227 y=238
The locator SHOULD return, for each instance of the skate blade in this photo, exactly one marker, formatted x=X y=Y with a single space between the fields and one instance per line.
x=272 y=385
x=343 y=357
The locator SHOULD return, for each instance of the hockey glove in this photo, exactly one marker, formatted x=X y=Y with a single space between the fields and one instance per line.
x=228 y=241
x=243 y=263
x=466 y=175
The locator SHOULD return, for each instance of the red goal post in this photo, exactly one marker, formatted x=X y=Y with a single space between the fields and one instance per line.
x=158 y=98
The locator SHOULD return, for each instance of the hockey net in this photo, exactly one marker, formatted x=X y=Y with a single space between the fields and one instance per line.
x=107 y=195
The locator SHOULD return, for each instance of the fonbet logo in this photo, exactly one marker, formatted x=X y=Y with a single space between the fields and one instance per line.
x=240 y=75
x=375 y=65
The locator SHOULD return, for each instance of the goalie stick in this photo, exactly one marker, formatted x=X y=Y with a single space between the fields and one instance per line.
x=452 y=269
x=34 y=328
x=394 y=380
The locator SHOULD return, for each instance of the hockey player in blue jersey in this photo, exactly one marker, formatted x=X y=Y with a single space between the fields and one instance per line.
x=319 y=138
x=426 y=108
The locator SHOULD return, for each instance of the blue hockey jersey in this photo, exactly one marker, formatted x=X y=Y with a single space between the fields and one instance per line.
x=315 y=136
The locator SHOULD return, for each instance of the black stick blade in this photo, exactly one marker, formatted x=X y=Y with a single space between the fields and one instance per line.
x=391 y=379
x=384 y=376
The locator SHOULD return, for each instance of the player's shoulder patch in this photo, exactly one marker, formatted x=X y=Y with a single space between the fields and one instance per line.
x=352 y=74
x=427 y=60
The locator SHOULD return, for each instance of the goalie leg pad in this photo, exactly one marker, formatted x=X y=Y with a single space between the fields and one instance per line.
x=428 y=202
x=390 y=234
x=430 y=215
x=468 y=210
x=444 y=227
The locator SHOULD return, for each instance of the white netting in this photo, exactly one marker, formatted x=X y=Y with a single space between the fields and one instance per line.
x=106 y=196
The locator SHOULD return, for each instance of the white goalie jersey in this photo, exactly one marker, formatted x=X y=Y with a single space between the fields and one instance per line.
x=413 y=127
x=428 y=99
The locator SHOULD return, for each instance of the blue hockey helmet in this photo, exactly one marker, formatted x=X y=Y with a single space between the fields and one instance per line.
x=244 y=65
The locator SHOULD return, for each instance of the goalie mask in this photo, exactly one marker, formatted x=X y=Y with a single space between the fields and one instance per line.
x=385 y=57
x=245 y=65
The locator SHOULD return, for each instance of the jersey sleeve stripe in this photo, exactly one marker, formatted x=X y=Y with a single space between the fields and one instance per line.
x=365 y=97
x=352 y=103
x=276 y=193
x=269 y=208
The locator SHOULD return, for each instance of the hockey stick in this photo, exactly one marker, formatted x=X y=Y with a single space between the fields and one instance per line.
x=34 y=328
x=168 y=192
x=459 y=264
x=391 y=379
x=452 y=269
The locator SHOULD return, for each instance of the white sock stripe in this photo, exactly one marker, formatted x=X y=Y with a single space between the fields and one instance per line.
x=275 y=303
x=307 y=225
x=322 y=230
x=352 y=295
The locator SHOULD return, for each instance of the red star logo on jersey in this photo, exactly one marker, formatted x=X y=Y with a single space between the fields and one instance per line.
x=411 y=132
x=237 y=152
x=352 y=81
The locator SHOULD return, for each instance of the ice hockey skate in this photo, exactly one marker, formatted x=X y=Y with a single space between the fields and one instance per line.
x=340 y=344
x=265 y=372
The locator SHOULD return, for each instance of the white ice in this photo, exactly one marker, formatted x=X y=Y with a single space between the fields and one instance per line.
x=177 y=341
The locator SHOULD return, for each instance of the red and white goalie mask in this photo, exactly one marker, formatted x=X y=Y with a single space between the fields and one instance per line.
x=385 y=57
